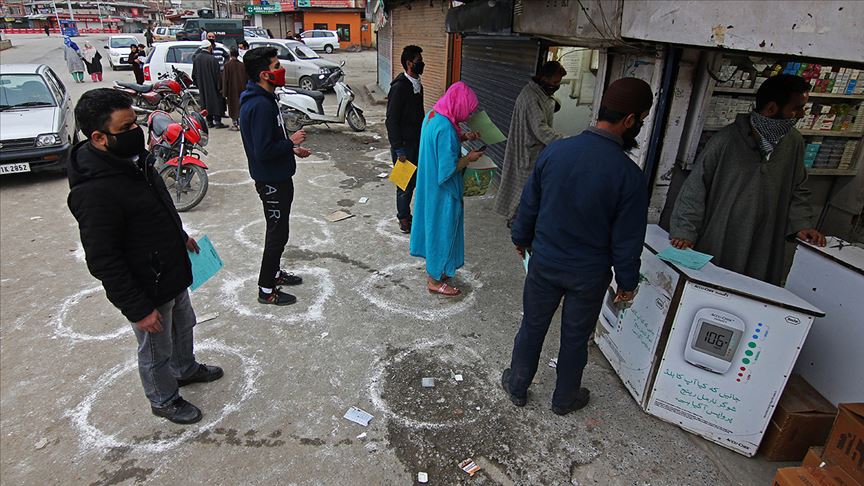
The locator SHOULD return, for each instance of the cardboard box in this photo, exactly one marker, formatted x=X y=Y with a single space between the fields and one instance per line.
x=814 y=457
x=813 y=476
x=845 y=446
x=803 y=419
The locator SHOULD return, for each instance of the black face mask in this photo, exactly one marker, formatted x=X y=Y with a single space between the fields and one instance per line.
x=630 y=135
x=418 y=67
x=212 y=42
x=549 y=89
x=126 y=144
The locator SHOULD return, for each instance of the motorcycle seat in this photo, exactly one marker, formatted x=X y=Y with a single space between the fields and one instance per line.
x=316 y=95
x=158 y=123
x=138 y=88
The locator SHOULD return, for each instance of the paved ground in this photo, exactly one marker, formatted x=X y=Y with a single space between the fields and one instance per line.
x=363 y=334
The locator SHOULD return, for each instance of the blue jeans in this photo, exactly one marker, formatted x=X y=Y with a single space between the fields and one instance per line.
x=545 y=286
x=164 y=357
x=403 y=198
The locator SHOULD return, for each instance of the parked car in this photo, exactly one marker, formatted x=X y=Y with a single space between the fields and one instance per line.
x=162 y=34
x=321 y=40
x=252 y=32
x=38 y=124
x=303 y=67
x=178 y=54
x=118 y=50
x=228 y=31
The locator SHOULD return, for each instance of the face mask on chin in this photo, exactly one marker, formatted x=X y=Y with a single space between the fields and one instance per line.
x=126 y=144
x=630 y=135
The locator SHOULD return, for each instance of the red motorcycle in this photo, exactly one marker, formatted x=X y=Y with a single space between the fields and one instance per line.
x=167 y=94
x=176 y=145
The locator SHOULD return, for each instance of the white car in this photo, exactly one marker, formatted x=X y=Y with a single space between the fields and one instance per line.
x=321 y=40
x=178 y=54
x=118 y=50
x=37 y=126
x=303 y=67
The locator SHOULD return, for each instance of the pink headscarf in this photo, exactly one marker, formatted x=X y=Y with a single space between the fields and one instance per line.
x=457 y=104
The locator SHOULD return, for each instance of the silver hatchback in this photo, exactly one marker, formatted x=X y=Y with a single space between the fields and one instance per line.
x=37 y=124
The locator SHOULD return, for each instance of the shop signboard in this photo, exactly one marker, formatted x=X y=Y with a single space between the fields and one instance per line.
x=326 y=3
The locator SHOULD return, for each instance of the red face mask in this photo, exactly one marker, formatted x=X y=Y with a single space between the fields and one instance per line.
x=277 y=77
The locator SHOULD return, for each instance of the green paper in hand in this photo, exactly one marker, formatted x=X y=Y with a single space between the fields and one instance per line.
x=481 y=124
x=205 y=264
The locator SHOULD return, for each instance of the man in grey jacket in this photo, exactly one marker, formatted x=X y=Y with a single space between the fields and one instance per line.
x=746 y=194
x=530 y=132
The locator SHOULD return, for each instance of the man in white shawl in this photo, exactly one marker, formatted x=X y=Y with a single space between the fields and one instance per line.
x=530 y=132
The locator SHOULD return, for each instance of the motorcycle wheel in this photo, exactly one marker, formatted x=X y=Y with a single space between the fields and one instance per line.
x=356 y=120
x=293 y=121
x=191 y=187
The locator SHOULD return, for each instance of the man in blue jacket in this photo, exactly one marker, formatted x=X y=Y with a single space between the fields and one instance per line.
x=270 y=153
x=583 y=211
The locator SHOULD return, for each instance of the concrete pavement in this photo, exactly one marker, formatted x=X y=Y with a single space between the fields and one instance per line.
x=363 y=333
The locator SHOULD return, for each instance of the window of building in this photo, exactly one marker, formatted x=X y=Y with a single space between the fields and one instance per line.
x=319 y=27
x=344 y=32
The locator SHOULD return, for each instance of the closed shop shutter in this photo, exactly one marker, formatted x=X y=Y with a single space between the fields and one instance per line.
x=423 y=25
x=497 y=68
x=385 y=65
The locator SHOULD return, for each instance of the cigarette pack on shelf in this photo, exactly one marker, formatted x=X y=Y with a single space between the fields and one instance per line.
x=846 y=159
x=811 y=150
x=830 y=154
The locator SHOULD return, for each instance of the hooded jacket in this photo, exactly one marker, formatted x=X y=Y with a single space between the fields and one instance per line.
x=405 y=114
x=132 y=235
x=269 y=151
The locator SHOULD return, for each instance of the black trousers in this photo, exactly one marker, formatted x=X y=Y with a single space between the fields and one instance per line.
x=276 y=198
x=545 y=286
x=403 y=198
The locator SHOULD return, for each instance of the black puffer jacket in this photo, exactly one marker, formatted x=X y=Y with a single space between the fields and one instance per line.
x=132 y=235
x=405 y=114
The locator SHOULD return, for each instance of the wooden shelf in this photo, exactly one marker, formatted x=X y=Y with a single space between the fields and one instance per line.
x=748 y=91
x=817 y=171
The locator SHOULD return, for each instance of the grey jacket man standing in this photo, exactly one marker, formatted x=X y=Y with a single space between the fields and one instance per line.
x=530 y=132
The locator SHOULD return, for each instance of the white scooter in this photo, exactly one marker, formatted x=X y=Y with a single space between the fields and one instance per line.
x=300 y=107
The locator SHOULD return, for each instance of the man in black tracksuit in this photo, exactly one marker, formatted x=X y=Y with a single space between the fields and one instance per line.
x=135 y=245
x=404 y=119
x=270 y=153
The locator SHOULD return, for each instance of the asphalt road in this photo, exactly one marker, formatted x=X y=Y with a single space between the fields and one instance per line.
x=363 y=334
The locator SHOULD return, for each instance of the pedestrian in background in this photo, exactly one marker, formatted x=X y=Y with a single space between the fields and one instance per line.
x=93 y=60
x=530 y=132
x=135 y=61
x=234 y=80
x=148 y=35
x=74 y=61
x=47 y=31
x=270 y=153
x=242 y=47
x=208 y=78
x=135 y=245
x=404 y=119
x=438 y=232
x=583 y=212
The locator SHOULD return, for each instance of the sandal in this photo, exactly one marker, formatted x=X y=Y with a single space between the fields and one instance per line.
x=444 y=289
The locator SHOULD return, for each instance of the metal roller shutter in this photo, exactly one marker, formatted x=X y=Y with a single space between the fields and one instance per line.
x=497 y=68
x=385 y=53
x=423 y=25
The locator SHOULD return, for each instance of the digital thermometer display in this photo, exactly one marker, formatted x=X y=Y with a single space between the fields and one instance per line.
x=714 y=339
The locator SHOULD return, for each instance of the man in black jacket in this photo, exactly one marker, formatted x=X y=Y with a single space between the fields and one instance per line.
x=404 y=119
x=135 y=245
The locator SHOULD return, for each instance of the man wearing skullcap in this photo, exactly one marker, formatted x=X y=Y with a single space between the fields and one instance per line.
x=583 y=212
x=746 y=193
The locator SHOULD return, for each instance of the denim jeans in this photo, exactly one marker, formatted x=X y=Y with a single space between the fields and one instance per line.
x=167 y=356
x=403 y=198
x=545 y=286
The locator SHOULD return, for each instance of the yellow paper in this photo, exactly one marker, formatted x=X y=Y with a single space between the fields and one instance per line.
x=401 y=174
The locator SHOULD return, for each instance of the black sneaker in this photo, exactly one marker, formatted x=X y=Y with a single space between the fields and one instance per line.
x=505 y=384
x=581 y=400
x=179 y=411
x=288 y=279
x=276 y=297
x=405 y=225
x=220 y=125
x=204 y=374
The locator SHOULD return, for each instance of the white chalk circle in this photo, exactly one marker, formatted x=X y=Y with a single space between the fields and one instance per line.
x=93 y=437
x=324 y=289
x=385 y=157
x=387 y=228
x=451 y=306
x=377 y=382
x=245 y=172
x=332 y=181
x=61 y=329
x=315 y=158
x=313 y=243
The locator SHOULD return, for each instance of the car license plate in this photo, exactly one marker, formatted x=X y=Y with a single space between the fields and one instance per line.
x=14 y=168
x=123 y=60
